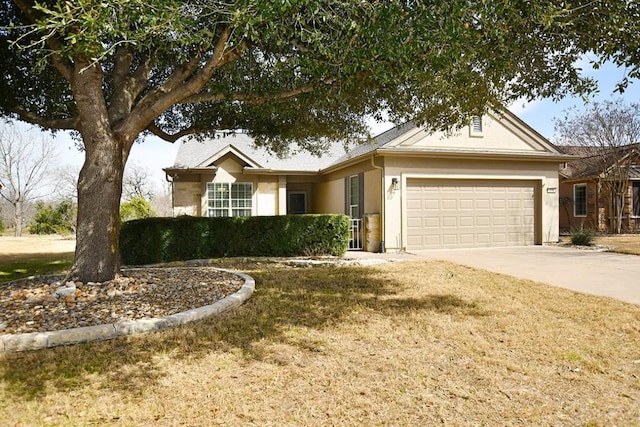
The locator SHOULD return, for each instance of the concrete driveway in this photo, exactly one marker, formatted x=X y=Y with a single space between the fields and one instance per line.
x=598 y=273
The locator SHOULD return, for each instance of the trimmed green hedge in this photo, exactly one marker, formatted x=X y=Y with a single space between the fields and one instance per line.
x=154 y=240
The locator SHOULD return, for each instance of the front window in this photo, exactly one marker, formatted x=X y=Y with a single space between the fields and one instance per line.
x=229 y=199
x=354 y=196
x=580 y=200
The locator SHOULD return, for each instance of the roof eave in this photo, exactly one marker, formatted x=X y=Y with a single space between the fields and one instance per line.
x=172 y=171
x=265 y=171
x=475 y=155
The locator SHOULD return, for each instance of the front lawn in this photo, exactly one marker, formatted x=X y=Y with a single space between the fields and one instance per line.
x=413 y=343
x=624 y=243
x=34 y=255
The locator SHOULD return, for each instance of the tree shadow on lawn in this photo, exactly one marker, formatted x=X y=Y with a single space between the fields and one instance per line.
x=14 y=267
x=314 y=298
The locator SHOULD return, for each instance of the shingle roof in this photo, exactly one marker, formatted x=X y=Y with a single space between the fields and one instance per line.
x=200 y=154
x=193 y=153
x=593 y=160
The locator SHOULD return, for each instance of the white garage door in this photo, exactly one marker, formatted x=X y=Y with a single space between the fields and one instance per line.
x=469 y=213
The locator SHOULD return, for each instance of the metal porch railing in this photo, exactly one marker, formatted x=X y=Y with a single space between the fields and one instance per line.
x=355 y=244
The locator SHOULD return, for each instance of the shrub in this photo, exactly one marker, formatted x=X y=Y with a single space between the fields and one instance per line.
x=581 y=236
x=156 y=240
x=136 y=208
x=54 y=219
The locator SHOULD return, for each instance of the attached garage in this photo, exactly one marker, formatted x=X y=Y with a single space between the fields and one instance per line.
x=447 y=213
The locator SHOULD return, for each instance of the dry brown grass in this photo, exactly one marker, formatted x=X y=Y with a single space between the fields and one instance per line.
x=34 y=255
x=404 y=344
x=624 y=243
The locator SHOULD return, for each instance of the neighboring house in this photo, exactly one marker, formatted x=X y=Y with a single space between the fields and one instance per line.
x=585 y=201
x=493 y=183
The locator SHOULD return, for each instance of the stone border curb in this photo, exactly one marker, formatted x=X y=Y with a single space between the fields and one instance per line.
x=39 y=340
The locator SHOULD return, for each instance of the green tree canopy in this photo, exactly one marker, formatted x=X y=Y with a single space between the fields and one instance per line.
x=286 y=71
x=136 y=208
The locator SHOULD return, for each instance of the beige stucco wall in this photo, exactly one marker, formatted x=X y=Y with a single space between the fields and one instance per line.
x=329 y=194
x=544 y=174
x=372 y=191
x=266 y=197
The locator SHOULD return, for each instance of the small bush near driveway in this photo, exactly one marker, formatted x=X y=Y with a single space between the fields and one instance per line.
x=582 y=236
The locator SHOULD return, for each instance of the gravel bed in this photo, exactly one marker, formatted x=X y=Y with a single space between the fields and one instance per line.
x=49 y=304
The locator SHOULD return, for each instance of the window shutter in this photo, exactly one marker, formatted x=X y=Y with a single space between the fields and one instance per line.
x=346 y=196
x=361 y=195
x=636 y=198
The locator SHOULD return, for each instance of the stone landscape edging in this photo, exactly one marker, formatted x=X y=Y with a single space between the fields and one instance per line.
x=12 y=343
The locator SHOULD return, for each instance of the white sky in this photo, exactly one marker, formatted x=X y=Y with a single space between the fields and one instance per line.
x=155 y=154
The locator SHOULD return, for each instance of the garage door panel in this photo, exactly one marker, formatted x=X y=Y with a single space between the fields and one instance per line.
x=499 y=238
x=467 y=239
x=483 y=221
x=484 y=204
x=466 y=221
x=465 y=213
x=482 y=238
x=450 y=204
x=498 y=220
x=450 y=221
x=415 y=222
x=414 y=204
x=432 y=222
x=465 y=203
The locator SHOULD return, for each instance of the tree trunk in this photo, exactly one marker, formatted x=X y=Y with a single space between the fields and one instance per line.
x=99 y=191
x=618 y=210
x=18 y=218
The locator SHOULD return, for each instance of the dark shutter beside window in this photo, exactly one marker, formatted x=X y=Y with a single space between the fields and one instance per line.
x=636 y=198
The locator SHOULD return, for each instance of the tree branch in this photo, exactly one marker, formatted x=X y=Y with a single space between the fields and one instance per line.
x=65 y=68
x=127 y=85
x=256 y=99
x=176 y=88
x=172 y=137
x=61 y=124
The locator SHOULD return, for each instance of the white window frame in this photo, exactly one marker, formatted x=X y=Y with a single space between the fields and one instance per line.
x=229 y=203
x=575 y=200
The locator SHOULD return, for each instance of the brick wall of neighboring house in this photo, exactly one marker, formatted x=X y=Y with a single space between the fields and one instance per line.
x=597 y=209
x=567 y=219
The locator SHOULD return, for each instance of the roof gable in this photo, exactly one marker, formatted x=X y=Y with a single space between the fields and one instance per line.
x=504 y=133
x=228 y=152
x=501 y=132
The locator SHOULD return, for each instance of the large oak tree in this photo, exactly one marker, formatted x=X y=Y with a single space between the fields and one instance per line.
x=305 y=72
